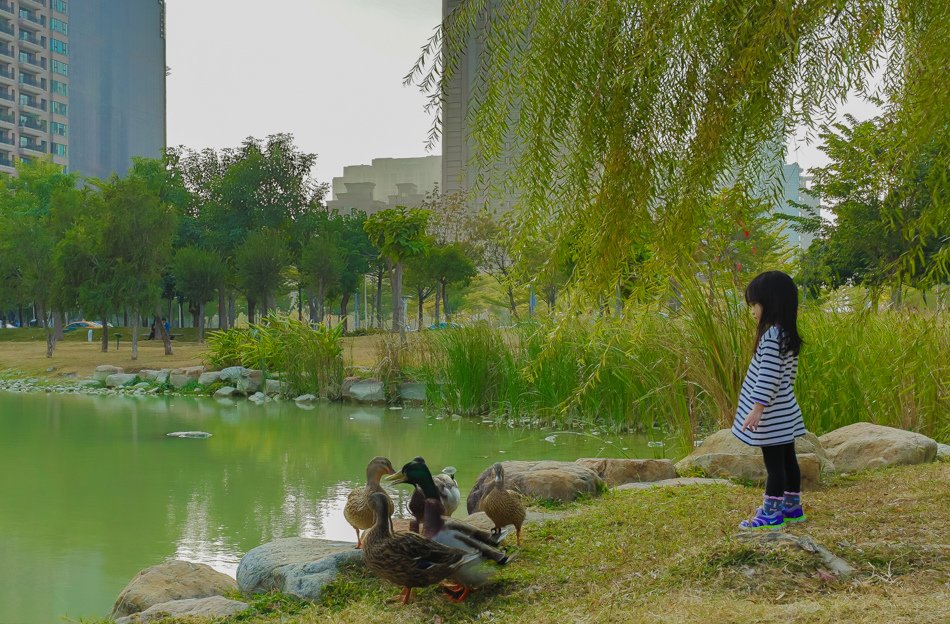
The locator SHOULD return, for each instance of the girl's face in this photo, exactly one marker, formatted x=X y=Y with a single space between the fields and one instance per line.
x=757 y=311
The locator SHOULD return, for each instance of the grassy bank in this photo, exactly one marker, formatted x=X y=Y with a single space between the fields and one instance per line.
x=671 y=555
x=683 y=370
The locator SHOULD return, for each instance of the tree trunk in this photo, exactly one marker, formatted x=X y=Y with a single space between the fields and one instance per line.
x=251 y=309
x=232 y=309
x=170 y=316
x=321 y=301
x=511 y=301
x=201 y=322
x=135 y=335
x=23 y=325
x=379 y=298
x=125 y=317
x=420 y=295
x=58 y=323
x=222 y=310
x=160 y=330
x=344 y=304
x=438 y=306
x=300 y=302
x=105 y=334
x=312 y=307
x=398 y=324
x=445 y=301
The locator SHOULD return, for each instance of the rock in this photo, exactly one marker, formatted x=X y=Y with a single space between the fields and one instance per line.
x=250 y=381
x=305 y=398
x=197 y=435
x=723 y=455
x=231 y=373
x=155 y=376
x=346 y=385
x=179 y=377
x=619 y=471
x=556 y=480
x=172 y=580
x=258 y=397
x=206 y=379
x=412 y=392
x=225 y=392
x=481 y=520
x=368 y=391
x=298 y=566
x=120 y=379
x=943 y=452
x=90 y=383
x=105 y=370
x=865 y=445
x=273 y=387
x=213 y=606
x=672 y=483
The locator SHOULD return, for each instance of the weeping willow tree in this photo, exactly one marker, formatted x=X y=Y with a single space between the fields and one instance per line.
x=629 y=115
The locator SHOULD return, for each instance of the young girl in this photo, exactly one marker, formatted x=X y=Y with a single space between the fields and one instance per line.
x=768 y=415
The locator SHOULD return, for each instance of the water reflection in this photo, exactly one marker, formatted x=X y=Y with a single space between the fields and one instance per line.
x=94 y=491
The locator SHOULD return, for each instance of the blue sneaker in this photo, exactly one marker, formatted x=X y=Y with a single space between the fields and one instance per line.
x=792 y=508
x=768 y=517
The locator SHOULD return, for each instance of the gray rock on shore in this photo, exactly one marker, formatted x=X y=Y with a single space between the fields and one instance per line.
x=865 y=445
x=616 y=472
x=172 y=580
x=298 y=566
x=211 y=607
x=554 y=480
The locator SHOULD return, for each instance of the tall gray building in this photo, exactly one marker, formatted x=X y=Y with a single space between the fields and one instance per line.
x=82 y=82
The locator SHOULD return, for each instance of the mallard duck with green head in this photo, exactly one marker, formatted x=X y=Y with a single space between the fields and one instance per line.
x=357 y=510
x=503 y=506
x=407 y=559
x=448 y=492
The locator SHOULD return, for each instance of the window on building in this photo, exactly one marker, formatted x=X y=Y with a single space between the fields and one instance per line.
x=59 y=88
x=59 y=47
x=59 y=6
x=58 y=108
x=57 y=128
x=57 y=150
x=59 y=67
x=58 y=26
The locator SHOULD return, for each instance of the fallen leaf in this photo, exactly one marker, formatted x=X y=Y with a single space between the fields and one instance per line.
x=826 y=576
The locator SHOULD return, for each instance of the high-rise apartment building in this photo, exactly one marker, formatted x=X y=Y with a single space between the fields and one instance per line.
x=82 y=82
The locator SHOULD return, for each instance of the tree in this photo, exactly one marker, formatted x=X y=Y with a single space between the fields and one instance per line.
x=137 y=236
x=399 y=233
x=492 y=245
x=198 y=275
x=322 y=264
x=423 y=281
x=261 y=261
x=451 y=266
x=630 y=113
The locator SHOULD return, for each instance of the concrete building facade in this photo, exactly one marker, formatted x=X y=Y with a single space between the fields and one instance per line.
x=82 y=83
x=385 y=183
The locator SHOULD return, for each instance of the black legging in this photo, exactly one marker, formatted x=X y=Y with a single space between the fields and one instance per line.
x=782 y=466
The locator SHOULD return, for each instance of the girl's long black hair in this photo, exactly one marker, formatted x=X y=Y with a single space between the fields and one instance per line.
x=776 y=293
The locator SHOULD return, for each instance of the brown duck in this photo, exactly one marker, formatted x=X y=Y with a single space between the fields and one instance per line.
x=407 y=559
x=357 y=510
x=503 y=506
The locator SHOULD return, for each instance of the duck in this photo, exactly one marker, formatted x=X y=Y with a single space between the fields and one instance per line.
x=407 y=559
x=451 y=532
x=448 y=491
x=503 y=506
x=357 y=511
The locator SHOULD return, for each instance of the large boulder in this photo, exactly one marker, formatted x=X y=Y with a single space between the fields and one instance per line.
x=105 y=370
x=725 y=456
x=943 y=452
x=865 y=445
x=298 y=566
x=615 y=472
x=347 y=384
x=677 y=482
x=212 y=607
x=206 y=379
x=553 y=480
x=179 y=377
x=368 y=391
x=226 y=392
x=231 y=373
x=250 y=381
x=412 y=392
x=172 y=580
x=120 y=379
x=274 y=387
x=156 y=376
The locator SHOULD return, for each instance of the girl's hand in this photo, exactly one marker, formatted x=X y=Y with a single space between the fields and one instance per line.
x=753 y=418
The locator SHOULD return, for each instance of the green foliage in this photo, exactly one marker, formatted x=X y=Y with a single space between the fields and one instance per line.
x=308 y=359
x=261 y=261
x=198 y=273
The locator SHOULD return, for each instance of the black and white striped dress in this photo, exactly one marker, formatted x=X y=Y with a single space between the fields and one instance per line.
x=770 y=381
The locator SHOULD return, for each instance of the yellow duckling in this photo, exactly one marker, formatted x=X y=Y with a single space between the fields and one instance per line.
x=503 y=506
x=357 y=510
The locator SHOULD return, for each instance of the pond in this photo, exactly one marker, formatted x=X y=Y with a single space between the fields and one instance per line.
x=92 y=490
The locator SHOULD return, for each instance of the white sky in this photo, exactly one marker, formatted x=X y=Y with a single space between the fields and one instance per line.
x=328 y=71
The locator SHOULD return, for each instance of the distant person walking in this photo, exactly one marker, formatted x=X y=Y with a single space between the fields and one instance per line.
x=768 y=415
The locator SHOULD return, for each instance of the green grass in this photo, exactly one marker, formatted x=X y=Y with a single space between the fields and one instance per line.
x=671 y=555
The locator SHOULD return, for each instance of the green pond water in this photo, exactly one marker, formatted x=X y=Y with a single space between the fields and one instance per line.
x=92 y=490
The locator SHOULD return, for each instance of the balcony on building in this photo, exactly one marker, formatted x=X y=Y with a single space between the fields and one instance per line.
x=7 y=29
x=31 y=40
x=32 y=82
x=6 y=94
x=7 y=73
x=33 y=146
x=29 y=17
x=5 y=160
x=7 y=116
x=6 y=50
x=6 y=138
x=32 y=102
x=32 y=59
x=6 y=7
x=40 y=4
